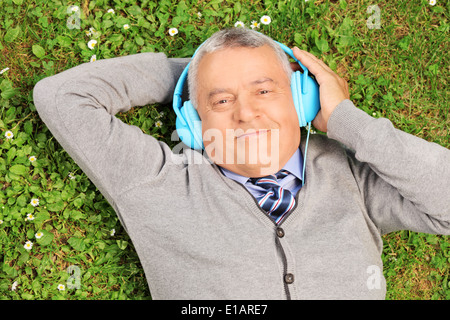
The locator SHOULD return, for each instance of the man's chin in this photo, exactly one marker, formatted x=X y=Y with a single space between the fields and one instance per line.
x=253 y=170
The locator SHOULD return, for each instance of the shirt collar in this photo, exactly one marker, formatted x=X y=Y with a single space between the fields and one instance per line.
x=294 y=166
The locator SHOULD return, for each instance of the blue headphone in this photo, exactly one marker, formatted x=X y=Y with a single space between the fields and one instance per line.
x=305 y=92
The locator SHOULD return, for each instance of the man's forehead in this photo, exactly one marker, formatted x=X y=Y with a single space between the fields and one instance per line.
x=243 y=60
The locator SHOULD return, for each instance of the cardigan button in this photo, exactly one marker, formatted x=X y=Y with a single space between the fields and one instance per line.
x=280 y=232
x=289 y=278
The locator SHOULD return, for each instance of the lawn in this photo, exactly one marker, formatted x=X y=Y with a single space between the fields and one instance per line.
x=60 y=239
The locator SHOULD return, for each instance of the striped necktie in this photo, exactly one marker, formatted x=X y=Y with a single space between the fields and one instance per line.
x=277 y=201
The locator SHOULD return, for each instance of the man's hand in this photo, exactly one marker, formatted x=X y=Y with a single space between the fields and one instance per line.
x=332 y=88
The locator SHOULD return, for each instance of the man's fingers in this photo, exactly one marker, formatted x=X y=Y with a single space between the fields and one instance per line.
x=314 y=65
x=315 y=59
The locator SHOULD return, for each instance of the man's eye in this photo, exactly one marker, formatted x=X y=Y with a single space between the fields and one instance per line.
x=263 y=91
x=222 y=101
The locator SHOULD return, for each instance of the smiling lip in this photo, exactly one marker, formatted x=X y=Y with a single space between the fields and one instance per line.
x=253 y=133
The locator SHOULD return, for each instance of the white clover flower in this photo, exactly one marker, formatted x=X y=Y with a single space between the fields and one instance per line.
x=74 y=8
x=34 y=202
x=38 y=235
x=239 y=24
x=126 y=26
x=254 y=24
x=265 y=20
x=432 y=2
x=32 y=158
x=199 y=14
x=1 y=221
x=9 y=135
x=14 y=286
x=112 y=232
x=110 y=11
x=158 y=124
x=93 y=58
x=71 y=176
x=61 y=287
x=29 y=217
x=4 y=70
x=91 y=44
x=28 y=245
x=173 y=31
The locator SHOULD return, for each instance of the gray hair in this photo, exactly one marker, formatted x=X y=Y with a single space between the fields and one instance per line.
x=232 y=38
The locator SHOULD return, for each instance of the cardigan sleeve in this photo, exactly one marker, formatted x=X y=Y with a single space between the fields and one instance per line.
x=404 y=180
x=79 y=107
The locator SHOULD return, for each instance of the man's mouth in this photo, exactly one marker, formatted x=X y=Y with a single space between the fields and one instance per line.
x=252 y=133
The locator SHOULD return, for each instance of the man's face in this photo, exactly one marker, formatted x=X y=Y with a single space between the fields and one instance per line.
x=249 y=123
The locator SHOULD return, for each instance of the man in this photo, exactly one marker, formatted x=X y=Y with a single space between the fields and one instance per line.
x=198 y=228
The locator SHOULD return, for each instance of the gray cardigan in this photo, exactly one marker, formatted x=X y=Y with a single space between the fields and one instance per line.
x=200 y=235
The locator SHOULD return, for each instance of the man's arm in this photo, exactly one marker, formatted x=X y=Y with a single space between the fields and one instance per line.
x=79 y=107
x=405 y=180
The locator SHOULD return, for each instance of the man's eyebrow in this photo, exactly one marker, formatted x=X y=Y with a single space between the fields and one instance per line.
x=262 y=80
x=253 y=83
x=216 y=91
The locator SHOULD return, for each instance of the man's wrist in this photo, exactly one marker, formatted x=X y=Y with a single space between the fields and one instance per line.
x=347 y=123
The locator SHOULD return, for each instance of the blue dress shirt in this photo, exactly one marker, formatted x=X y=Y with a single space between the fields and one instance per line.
x=292 y=182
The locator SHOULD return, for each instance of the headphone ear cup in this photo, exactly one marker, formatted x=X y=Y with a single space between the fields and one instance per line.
x=189 y=128
x=306 y=104
x=296 y=88
x=311 y=100
x=183 y=131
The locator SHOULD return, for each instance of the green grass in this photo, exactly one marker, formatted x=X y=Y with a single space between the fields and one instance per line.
x=399 y=71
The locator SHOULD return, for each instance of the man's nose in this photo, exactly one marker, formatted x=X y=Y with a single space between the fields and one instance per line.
x=246 y=109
